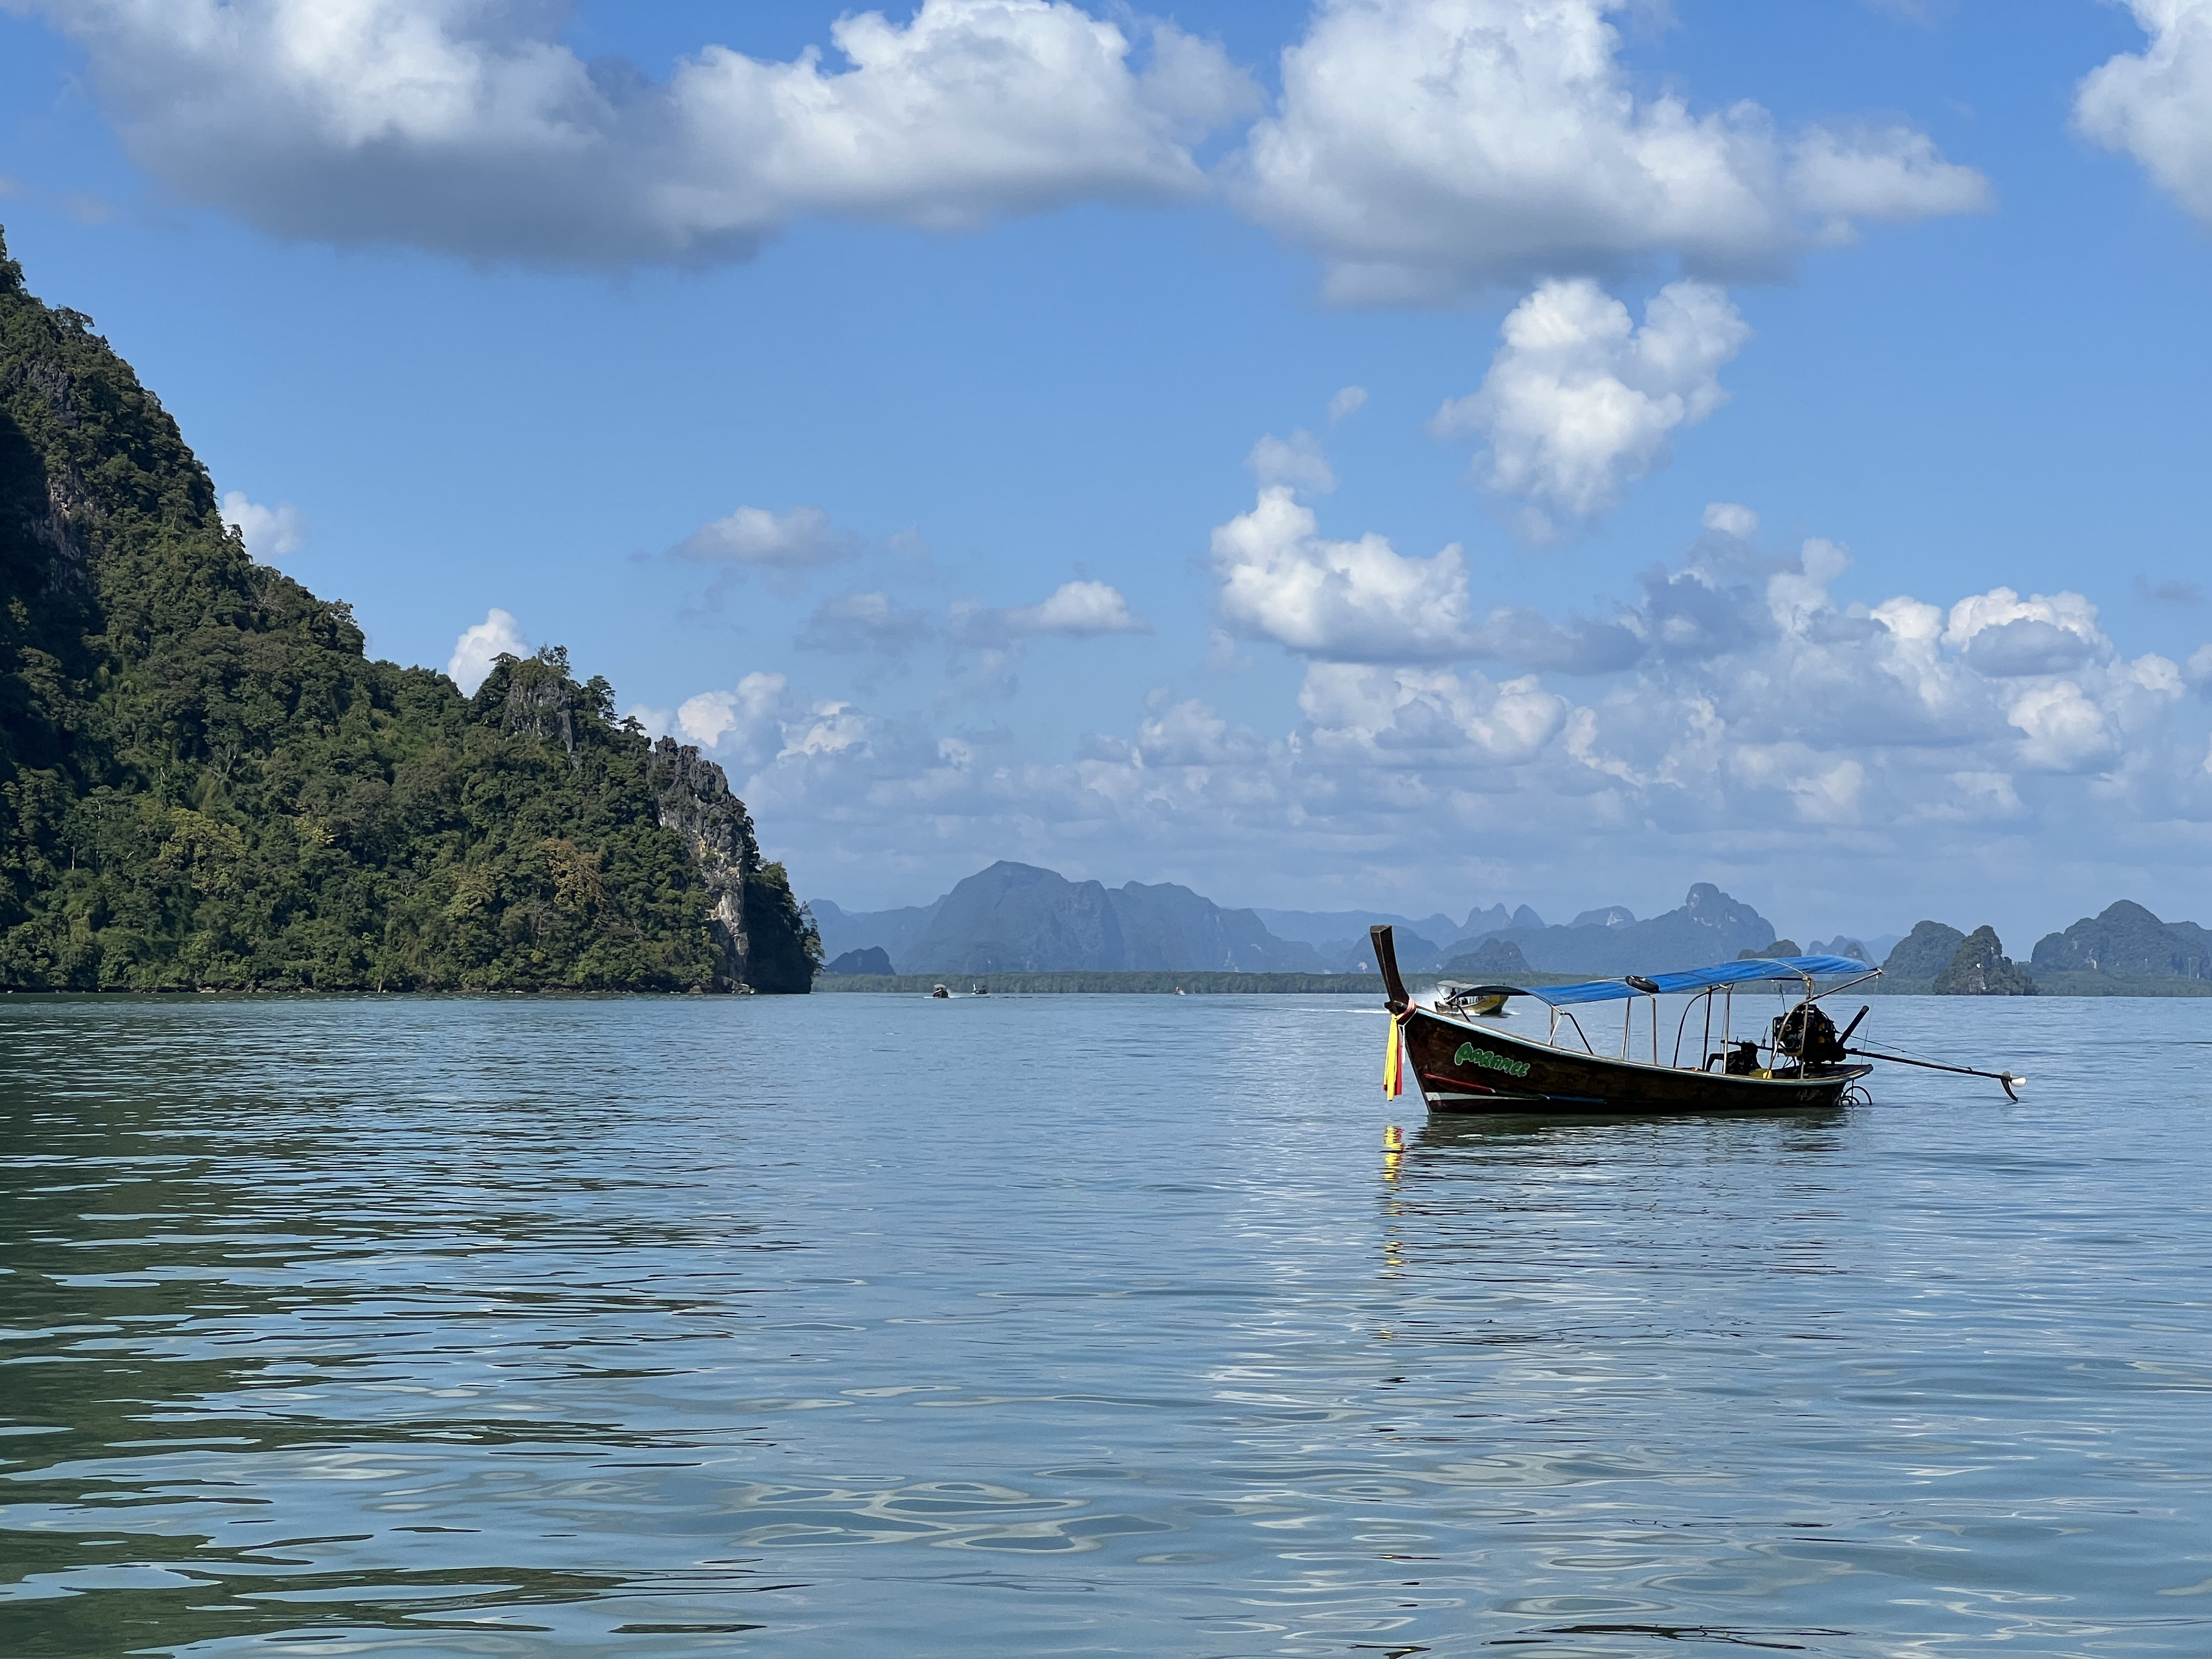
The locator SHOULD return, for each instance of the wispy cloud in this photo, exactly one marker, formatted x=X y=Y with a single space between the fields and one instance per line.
x=786 y=547
x=871 y=622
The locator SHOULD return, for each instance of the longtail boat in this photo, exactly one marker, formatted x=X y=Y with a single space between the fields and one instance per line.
x=1464 y=1060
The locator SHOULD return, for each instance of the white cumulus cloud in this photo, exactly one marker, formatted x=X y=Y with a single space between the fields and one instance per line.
x=988 y=641
x=1842 y=175
x=468 y=126
x=800 y=539
x=1579 y=401
x=2006 y=636
x=1428 y=148
x=270 y=533
x=828 y=729
x=2066 y=732
x=2156 y=104
x=1363 y=600
x=1080 y=609
x=497 y=635
x=743 y=722
x=1404 y=716
x=1192 y=733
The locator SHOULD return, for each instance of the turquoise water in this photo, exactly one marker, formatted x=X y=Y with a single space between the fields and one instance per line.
x=1079 y=1325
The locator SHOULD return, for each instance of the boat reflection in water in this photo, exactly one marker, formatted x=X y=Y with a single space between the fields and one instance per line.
x=1803 y=1129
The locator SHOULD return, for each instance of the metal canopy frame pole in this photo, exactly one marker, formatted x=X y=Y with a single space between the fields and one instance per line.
x=1702 y=999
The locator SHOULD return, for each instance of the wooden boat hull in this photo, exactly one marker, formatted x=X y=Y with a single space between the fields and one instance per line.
x=1464 y=1067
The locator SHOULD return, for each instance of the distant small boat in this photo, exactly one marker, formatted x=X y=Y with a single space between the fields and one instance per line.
x=981 y=991
x=1482 y=1001
x=939 y=991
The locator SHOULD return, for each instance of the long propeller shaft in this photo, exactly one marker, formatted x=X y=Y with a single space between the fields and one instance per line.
x=2006 y=1079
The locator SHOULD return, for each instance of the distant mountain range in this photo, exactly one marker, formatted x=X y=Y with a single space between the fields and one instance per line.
x=1340 y=936
x=1019 y=918
x=1016 y=918
x=1709 y=926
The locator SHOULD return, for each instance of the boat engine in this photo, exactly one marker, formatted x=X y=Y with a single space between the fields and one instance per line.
x=1807 y=1034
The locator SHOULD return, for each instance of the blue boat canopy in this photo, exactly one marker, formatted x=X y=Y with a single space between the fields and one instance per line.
x=1701 y=979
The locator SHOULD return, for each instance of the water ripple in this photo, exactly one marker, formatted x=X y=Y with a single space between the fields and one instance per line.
x=1078 y=1325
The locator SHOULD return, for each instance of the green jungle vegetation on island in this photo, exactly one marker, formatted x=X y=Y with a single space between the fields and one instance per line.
x=206 y=784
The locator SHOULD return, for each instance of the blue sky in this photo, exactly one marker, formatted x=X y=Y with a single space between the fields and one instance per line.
x=1813 y=394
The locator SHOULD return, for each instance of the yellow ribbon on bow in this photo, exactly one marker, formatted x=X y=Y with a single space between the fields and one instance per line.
x=1394 y=1066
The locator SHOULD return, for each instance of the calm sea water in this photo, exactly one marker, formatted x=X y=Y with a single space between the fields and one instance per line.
x=1079 y=1325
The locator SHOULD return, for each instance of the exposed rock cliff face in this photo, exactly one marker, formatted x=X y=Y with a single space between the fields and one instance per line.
x=694 y=802
x=1981 y=969
x=763 y=941
x=541 y=699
